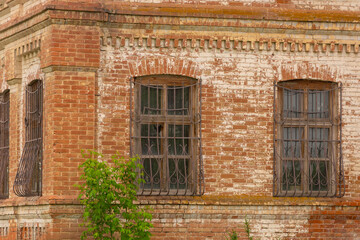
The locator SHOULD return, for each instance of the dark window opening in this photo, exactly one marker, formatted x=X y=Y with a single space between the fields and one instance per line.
x=165 y=134
x=307 y=139
x=28 y=178
x=4 y=144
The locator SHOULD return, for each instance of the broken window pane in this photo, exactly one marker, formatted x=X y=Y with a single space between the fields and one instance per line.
x=151 y=139
x=151 y=100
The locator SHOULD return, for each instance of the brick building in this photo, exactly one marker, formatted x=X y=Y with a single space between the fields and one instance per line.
x=236 y=108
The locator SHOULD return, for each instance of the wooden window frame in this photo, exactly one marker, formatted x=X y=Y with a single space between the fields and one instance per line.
x=164 y=119
x=334 y=178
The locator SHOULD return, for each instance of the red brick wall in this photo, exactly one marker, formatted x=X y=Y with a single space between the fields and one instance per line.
x=86 y=58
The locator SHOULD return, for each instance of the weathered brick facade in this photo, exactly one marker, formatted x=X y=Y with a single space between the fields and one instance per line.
x=85 y=52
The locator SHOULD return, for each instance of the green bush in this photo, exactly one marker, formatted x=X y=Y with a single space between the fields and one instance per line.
x=108 y=194
x=232 y=235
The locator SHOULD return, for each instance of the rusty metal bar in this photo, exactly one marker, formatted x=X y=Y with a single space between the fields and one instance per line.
x=29 y=174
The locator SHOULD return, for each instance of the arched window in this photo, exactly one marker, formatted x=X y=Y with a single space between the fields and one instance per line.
x=307 y=139
x=4 y=143
x=165 y=134
x=29 y=173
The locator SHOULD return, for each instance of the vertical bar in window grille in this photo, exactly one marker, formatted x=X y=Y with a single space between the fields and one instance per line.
x=201 y=167
x=274 y=137
x=341 y=169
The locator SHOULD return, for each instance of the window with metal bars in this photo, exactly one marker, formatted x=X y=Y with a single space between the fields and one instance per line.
x=29 y=173
x=165 y=134
x=4 y=144
x=307 y=139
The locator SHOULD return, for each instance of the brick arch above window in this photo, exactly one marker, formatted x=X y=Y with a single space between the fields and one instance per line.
x=289 y=71
x=164 y=65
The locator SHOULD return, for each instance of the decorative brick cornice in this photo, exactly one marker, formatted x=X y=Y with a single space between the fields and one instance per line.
x=241 y=43
x=29 y=47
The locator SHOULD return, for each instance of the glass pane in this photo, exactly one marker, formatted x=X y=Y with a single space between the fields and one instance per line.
x=318 y=104
x=178 y=139
x=178 y=173
x=319 y=175
x=318 y=142
x=178 y=100
x=291 y=175
x=151 y=173
x=151 y=139
x=151 y=99
x=293 y=137
x=292 y=103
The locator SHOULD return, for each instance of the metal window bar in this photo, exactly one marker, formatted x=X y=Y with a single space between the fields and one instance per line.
x=307 y=142
x=165 y=134
x=4 y=144
x=29 y=174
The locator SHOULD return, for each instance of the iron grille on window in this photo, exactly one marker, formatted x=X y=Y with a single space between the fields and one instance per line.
x=4 y=144
x=307 y=139
x=28 y=176
x=165 y=124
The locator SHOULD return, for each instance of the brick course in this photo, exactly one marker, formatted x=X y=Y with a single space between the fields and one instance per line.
x=86 y=53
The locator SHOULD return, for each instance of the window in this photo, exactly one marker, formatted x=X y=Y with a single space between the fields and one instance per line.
x=165 y=134
x=28 y=176
x=4 y=144
x=307 y=139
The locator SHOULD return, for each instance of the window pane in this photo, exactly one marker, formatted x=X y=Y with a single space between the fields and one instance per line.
x=291 y=175
x=292 y=103
x=178 y=100
x=178 y=173
x=319 y=175
x=318 y=104
x=151 y=99
x=178 y=141
x=151 y=173
x=318 y=142
x=293 y=137
x=151 y=139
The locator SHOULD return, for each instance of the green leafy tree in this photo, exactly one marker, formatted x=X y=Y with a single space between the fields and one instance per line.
x=108 y=194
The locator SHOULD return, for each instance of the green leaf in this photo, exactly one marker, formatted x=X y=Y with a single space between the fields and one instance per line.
x=109 y=192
